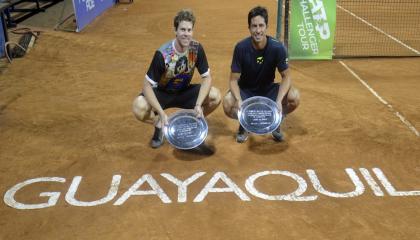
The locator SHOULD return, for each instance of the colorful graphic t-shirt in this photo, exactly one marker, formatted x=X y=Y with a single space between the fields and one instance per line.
x=172 y=71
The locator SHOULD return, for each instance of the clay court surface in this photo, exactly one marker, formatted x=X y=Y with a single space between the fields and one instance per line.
x=65 y=111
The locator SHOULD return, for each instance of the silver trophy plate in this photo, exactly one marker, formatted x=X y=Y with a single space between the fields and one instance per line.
x=259 y=115
x=185 y=130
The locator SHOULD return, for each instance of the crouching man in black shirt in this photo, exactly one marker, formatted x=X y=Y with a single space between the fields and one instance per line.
x=254 y=63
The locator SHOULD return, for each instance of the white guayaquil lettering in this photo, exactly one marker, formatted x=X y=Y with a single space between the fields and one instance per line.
x=295 y=196
x=156 y=190
x=116 y=179
x=372 y=183
x=182 y=186
x=9 y=197
x=389 y=188
x=359 y=188
x=232 y=187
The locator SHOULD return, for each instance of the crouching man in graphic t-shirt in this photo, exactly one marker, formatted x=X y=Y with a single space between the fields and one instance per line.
x=168 y=81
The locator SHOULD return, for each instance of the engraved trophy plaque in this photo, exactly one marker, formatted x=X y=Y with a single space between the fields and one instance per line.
x=259 y=115
x=185 y=130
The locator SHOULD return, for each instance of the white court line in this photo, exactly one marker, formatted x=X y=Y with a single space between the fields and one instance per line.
x=399 y=115
x=379 y=30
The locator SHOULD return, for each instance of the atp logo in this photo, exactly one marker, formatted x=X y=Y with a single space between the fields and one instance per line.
x=260 y=60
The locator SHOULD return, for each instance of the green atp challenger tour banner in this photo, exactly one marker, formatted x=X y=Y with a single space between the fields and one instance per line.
x=312 y=29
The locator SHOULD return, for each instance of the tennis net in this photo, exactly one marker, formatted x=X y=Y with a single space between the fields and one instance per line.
x=377 y=28
x=369 y=28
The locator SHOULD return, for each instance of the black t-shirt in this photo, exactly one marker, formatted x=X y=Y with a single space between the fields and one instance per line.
x=257 y=67
x=172 y=71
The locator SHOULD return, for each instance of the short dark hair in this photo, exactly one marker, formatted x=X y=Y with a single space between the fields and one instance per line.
x=258 y=11
x=184 y=15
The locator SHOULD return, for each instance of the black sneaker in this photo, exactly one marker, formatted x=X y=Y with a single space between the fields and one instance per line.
x=278 y=135
x=157 y=139
x=242 y=135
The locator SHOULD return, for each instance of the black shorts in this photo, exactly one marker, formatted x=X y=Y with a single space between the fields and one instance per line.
x=185 y=99
x=270 y=92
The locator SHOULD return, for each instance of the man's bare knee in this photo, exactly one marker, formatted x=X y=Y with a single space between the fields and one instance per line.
x=229 y=107
x=141 y=108
x=212 y=101
x=227 y=102
x=214 y=97
x=293 y=100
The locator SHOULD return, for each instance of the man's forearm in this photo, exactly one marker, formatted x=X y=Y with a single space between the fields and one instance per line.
x=285 y=85
x=204 y=90
x=150 y=96
x=234 y=87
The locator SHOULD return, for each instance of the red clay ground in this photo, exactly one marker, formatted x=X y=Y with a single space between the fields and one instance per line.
x=66 y=112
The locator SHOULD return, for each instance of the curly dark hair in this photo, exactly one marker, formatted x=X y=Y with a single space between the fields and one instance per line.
x=184 y=15
x=258 y=11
